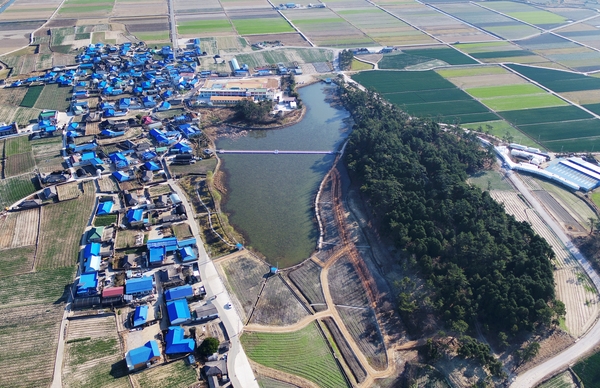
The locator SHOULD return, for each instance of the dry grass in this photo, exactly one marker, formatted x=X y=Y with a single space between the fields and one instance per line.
x=19 y=229
x=277 y=305
x=68 y=191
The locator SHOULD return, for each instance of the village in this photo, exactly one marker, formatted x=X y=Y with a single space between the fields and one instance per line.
x=131 y=129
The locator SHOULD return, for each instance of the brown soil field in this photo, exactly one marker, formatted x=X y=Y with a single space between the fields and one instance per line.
x=107 y=185
x=60 y=23
x=307 y=278
x=342 y=344
x=145 y=25
x=486 y=80
x=145 y=8
x=583 y=97
x=288 y=39
x=19 y=25
x=7 y=226
x=277 y=305
x=19 y=164
x=12 y=96
x=68 y=191
x=16 y=261
x=176 y=374
x=19 y=229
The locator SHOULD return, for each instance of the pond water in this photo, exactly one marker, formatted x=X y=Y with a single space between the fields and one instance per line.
x=270 y=197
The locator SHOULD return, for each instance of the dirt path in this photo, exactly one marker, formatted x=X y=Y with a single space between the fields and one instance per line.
x=348 y=250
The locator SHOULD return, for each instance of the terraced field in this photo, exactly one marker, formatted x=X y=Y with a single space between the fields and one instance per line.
x=283 y=350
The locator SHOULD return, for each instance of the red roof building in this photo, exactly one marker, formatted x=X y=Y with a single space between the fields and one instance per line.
x=112 y=292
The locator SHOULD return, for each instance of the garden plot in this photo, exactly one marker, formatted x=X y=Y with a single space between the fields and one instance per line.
x=207 y=25
x=572 y=290
x=383 y=28
x=277 y=305
x=245 y=276
x=19 y=164
x=62 y=226
x=16 y=188
x=193 y=6
x=490 y=21
x=68 y=191
x=15 y=261
x=303 y=353
x=12 y=96
x=325 y=28
x=562 y=380
x=136 y=8
x=307 y=278
x=47 y=153
x=177 y=374
x=93 y=355
x=441 y=26
x=54 y=97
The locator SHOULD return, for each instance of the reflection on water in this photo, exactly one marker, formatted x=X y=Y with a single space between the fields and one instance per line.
x=270 y=197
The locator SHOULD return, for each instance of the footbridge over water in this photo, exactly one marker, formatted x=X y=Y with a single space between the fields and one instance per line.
x=277 y=152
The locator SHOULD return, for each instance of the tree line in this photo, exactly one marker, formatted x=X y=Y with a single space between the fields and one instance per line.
x=481 y=263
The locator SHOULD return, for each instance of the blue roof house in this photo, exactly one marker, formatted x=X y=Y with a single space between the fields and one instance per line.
x=176 y=343
x=139 y=286
x=105 y=207
x=134 y=215
x=140 y=357
x=164 y=106
x=180 y=292
x=92 y=264
x=178 y=311
x=152 y=166
x=140 y=316
x=149 y=102
x=121 y=176
x=187 y=254
x=182 y=148
x=119 y=160
x=91 y=249
x=159 y=248
x=88 y=284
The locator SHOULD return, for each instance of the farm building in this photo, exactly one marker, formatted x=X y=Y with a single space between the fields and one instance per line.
x=187 y=254
x=140 y=316
x=177 y=343
x=139 y=286
x=131 y=199
x=112 y=296
x=214 y=370
x=152 y=166
x=175 y=200
x=11 y=129
x=179 y=293
x=92 y=264
x=586 y=179
x=142 y=356
x=105 y=208
x=49 y=192
x=158 y=249
x=91 y=249
x=208 y=311
x=178 y=311
x=120 y=176
x=87 y=284
x=49 y=115
x=134 y=216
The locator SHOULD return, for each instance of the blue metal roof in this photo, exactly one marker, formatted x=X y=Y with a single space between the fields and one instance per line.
x=162 y=242
x=121 y=176
x=179 y=293
x=142 y=355
x=187 y=254
x=92 y=264
x=152 y=166
x=176 y=343
x=134 y=215
x=137 y=285
x=91 y=249
x=140 y=316
x=179 y=312
x=186 y=242
x=157 y=255
x=87 y=283
x=105 y=207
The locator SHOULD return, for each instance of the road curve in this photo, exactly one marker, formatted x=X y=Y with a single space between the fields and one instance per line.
x=585 y=343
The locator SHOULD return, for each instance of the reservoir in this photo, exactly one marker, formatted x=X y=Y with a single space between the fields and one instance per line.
x=270 y=197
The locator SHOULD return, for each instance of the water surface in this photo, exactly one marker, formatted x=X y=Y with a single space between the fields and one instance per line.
x=270 y=197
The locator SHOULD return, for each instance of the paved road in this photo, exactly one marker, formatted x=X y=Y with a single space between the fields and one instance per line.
x=240 y=372
x=584 y=344
x=173 y=26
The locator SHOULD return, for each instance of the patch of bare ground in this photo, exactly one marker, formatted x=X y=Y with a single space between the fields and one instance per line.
x=363 y=328
x=373 y=58
x=288 y=39
x=349 y=357
x=277 y=305
x=267 y=382
x=261 y=371
x=461 y=372
x=244 y=278
x=551 y=343
x=307 y=277
x=19 y=229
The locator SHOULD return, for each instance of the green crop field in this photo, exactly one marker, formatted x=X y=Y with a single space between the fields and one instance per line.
x=77 y=9
x=593 y=108
x=16 y=260
x=303 y=353
x=471 y=71
x=402 y=81
x=427 y=96
x=504 y=90
x=588 y=370
x=557 y=80
x=563 y=380
x=445 y=108
x=359 y=66
x=105 y=219
x=203 y=26
x=538 y=17
x=158 y=36
x=588 y=144
x=448 y=55
x=54 y=97
x=562 y=130
x=523 y=102
x=261 y=26
x=16 y=188
x=501 y=54
x=17 y=145
x=500 y=129
x=31 y=96
x=468 y=118
x=545 y=115
x=400 y=61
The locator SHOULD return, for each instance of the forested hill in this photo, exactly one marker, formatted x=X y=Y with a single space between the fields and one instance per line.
x=482 y=263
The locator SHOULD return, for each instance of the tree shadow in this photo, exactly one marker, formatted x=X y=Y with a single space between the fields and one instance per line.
x=119 y=369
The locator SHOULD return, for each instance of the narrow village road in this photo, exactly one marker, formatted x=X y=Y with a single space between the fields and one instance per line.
x=240 y=371
x=585 y=343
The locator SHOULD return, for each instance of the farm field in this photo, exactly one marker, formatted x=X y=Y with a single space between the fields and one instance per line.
x=528 y=14
x=86 y=8
x=556 y=80
x=174 y=375
x=68 y=219
x=562 y=380
x=244 y=277
x=31 y=96
x=54 y=97
x=93 y=356
x=282 y=351
x=500 y=128
x=277 y=305
x=19 y=229
x=15 y=188
x=46 y=153
x=307 y=279
x=357 y=65
x=519 y=102
x=19 y=164
x=300 y=55
x=325 y=28
x=16 y=260
x=383 y=28
x=490 y=180
x=588 y=370
x=274 y=25
x=426 y=93
x=414 y=57
x=205 y=27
